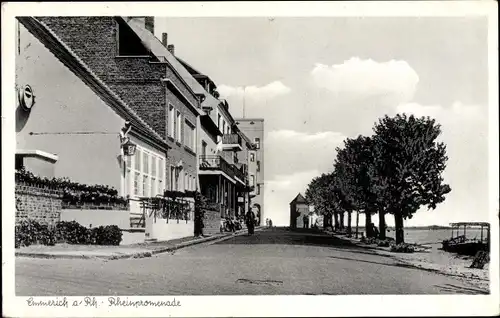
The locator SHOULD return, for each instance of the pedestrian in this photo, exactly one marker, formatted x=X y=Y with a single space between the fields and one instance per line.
x=270 y=223
x=305 y=220
x=250 y=220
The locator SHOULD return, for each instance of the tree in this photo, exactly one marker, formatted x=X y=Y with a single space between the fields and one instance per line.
x=409 y=166
x=342 y=179
x=320 y=194
x=360 y=159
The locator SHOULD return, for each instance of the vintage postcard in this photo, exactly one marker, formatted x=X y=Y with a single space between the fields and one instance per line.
x=250 y=159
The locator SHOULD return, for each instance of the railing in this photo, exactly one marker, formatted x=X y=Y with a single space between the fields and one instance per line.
x=167 y=209
x=231 y=139
x=218 y=163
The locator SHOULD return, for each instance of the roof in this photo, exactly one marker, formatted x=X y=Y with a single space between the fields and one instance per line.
x=299 y=199
x=71 y=60
x=157 y=48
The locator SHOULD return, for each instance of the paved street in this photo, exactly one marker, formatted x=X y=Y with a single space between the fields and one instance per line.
x=270 y=262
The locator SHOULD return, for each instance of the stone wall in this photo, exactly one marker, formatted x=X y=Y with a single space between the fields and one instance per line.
x=41 y=204
x=211 y=222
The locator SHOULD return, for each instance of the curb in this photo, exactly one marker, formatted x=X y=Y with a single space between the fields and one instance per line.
x=408 y=264
x=218 y=238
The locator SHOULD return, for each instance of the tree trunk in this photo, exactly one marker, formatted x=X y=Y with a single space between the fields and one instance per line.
x=400 y=236
x=341 y=221
x=349 y=217
x=381 y=224
x=357 y=223
x=336 y=220
x=368 y=224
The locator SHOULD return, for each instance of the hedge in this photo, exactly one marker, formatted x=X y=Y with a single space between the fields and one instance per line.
x=74 y=193
x=30 y=232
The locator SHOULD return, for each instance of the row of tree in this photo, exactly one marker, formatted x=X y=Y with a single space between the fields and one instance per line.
x=395 y=171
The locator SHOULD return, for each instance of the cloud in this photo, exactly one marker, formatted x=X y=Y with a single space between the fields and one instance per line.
x=281 y=189
x=262 y=93
x=292 y=159
x=394 y=81
x=292 y=151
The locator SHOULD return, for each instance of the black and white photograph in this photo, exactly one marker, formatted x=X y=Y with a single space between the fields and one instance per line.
x=347 y=151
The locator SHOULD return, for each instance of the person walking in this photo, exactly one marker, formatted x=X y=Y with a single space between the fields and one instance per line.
x=250 y=218
x=305 y=220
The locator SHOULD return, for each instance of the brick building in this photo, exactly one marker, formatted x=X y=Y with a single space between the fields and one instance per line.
x=73 y=129
x=129 y=59
x=222 y=166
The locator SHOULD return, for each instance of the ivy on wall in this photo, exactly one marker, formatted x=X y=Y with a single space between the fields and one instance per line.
x=73 y=193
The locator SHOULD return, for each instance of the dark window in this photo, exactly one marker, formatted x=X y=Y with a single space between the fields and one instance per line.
x=19 y=162
x=203 y=149
x=129 y=44
x=258 y=166
x=258 y=189
x=257 y=143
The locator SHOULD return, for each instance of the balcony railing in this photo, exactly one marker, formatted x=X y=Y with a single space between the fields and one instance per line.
x=218 y=163
x=232 y=141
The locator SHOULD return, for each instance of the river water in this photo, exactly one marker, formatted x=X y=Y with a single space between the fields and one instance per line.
x=425 y=236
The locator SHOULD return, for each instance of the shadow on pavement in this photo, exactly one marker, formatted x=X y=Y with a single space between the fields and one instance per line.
x=305 y=237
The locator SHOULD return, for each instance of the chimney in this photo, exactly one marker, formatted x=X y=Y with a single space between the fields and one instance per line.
x=164 y=37
x=149 y=24
x=171 y=49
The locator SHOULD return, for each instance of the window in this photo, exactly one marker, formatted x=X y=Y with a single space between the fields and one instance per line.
x=172 y=178
x=203 y=149
x=171 y=121
x=258 y=189
x=189 y=135
x=252 y=180
x=258 y=165
x=153 y=187
x=136 y=183
x=218 y=121
x=257 y=142
x=178 y=179
x=161 y=176
x=178 y=124
x=223 y=127
x=252 y=156
x=137 y=171
x=186 y=182
x=147 y=172
x=128 y=175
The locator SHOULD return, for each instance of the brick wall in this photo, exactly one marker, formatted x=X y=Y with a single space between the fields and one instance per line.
x=178 y=151
x=41 y=204
x=211 y=222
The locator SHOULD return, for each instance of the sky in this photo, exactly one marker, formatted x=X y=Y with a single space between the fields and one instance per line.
x=317 y=81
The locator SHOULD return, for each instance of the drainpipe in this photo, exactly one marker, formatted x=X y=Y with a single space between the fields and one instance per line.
x=198 y=139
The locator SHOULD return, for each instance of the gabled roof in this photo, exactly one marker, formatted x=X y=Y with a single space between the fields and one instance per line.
x=157 y=49
x=69 y=58
x=299 y=199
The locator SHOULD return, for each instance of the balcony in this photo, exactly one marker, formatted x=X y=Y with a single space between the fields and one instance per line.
x=217 y=163
x=232 y=142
